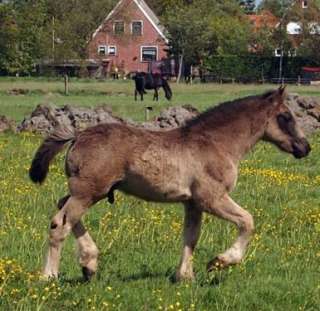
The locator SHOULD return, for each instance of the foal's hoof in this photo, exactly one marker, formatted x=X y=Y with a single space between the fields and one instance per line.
x=87 y=274
x=216 y=264
x=178 y=277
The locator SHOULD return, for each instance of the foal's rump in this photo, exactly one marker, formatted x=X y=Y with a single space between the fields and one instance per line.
x=116 y=156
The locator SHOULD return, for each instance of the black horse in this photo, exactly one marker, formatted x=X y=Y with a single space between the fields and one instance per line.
x=151 y=81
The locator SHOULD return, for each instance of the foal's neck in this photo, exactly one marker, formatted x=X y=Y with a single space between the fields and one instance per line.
x=235 y=129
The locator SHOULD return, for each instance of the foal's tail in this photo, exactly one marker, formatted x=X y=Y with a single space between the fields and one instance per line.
x=167 y=89
x=49 y=148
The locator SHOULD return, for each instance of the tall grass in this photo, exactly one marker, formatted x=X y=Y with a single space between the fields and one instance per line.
x=140 y=242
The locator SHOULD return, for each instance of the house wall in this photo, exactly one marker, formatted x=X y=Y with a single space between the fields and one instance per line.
x=128 y=54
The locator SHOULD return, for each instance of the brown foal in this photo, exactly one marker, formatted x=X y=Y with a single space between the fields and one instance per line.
x=196 y=164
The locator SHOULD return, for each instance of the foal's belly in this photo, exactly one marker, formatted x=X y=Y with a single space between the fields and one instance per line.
x=157 y=190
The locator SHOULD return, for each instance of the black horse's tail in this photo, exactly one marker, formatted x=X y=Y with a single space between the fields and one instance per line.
x=49 y=148
x=167 y=89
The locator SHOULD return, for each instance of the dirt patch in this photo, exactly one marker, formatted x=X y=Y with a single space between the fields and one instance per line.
x=6 y=124
x=18 y=92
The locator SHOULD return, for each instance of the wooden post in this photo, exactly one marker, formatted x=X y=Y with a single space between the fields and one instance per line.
x=66 y=84
x=299 y=80
x=147 y=113
x=180 y=68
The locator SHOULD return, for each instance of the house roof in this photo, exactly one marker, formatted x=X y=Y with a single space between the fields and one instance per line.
x=144 y=8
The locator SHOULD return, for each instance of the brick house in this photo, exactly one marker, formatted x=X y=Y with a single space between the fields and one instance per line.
x=128 y=40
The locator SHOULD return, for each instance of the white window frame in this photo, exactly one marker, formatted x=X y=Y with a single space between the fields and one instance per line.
x=114 y=27
x=105 y=49
x=148 y=46
x=276 y=54
x=142 y=26
x=304 y=4
x=115 y=50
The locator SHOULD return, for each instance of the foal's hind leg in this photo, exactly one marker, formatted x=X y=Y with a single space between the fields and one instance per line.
x=227 y=209
x=88 y=251
x=192 y=225
x=61 y=225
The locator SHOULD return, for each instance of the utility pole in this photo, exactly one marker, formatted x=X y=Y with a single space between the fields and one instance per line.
x=53 y=38
x=283 y=32
x=281 y=45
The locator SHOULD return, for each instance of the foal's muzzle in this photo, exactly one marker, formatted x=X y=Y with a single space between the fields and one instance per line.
x=301 y=148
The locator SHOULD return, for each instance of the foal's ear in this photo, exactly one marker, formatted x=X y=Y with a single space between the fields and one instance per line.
x=277 y=96
x=282 y=91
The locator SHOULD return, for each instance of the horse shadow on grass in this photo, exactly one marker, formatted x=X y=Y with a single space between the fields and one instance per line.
x=213 y=279
x=203 y=279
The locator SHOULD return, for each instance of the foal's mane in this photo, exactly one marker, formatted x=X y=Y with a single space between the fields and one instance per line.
x=227 y=111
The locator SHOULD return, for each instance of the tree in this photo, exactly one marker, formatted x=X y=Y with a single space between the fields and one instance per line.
x=276 y=7
x=195 y=32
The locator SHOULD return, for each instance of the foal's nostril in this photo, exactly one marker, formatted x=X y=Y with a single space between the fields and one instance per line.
x=308 y=148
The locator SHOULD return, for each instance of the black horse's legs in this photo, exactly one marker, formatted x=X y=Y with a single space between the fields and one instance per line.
x=156 y=95
x=135 y=94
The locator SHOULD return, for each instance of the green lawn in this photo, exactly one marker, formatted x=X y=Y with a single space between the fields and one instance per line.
x=140 y=242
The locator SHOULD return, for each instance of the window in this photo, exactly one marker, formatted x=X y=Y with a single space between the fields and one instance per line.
x=118 y=27
x=292 y=53
x=112 y=50
x=136 y=28
x=149 y=54
x=102 y=50
x=305 y=4
x=278 y=52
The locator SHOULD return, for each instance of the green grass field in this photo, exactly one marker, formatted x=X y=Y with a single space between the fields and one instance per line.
x=140 y=242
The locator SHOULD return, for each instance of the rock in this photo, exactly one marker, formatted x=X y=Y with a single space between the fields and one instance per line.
x=307 y=111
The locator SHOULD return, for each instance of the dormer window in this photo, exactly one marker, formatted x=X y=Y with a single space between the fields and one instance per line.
x=136 y=28
x=112 y=50
x=304 y=4
x=102 y=50
x=118 y=27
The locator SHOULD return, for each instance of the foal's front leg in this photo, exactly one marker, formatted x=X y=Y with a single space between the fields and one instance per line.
x=192 y=225
x=227 y=209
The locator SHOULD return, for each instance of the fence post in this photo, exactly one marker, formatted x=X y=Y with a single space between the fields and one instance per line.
x=147 y=113
x=299 y=80
x=66 y=84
